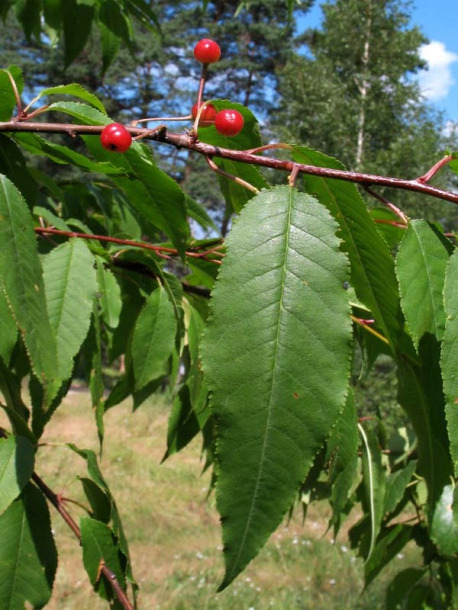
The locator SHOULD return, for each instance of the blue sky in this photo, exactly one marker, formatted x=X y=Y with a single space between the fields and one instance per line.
x=438 y=20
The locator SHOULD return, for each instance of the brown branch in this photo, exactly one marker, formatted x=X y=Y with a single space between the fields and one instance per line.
x=104 y=569
x=128 y=242
x=189 y=143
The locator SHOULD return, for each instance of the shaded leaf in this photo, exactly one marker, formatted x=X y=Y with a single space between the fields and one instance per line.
x=28 y=556
x=276 y=367
x=17 y=459
x=77 y=23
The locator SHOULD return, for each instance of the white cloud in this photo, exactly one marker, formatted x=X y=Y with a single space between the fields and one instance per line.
x=437 y=80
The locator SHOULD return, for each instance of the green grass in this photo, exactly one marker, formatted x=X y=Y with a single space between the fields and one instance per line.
x=173 y=528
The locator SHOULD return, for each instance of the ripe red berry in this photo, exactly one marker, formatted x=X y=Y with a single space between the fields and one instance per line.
x=207 y=116
x=229 y=122
x=115 y=137
x=207 y=51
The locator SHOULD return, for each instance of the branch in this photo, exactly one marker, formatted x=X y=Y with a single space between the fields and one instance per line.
x=188 y=142
x=159 y=250
x=104 y=569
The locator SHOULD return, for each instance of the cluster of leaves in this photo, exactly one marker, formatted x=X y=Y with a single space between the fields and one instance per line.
x=107 y=267
x=72 y=24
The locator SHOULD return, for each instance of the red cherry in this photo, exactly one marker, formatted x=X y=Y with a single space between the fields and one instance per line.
x=229 y=122
x=115 y=137
x=207 y=51
x=207 y=116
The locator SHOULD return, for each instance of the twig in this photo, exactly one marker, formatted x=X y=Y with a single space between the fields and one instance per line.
x=435 y=168
x=104 y=569
x=159 y=250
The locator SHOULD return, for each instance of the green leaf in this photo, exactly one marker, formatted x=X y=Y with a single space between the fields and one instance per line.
x=109 y=294
x=28 y=14
x=77 y=23
x=420 y=265
x=374 y=484
x=14 y=167
x=52 y=10
x=449 y=356
x=7 y=97
x=372 y=266
x=421 y=395
x=342 y=454
x=37 y=145
x=8 y=330
x=100 y=502
x=22 y=283
x=75 y=90
x=28 y=556
x=148 y=189
x=114 y=26
x=275 y=364
x=388 y=546
x=100 y=547
x=17 y=459
x=154 y=338
x=96 y=476
x=70 y=285
x=396 y=484
x=444 y=530
x=400 y=587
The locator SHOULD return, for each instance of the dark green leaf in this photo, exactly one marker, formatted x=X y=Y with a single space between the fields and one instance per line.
x=28 y=556
x=7 y=97
x=100 y=502
x=8 y=330
x=14 y=167
x=77 y=22
x=276 y=367
x=388 y=546
x=28 y=14
x=396 y=484
x=17 y=459
x=154 y=338
x=99 y=548
x=400 y=587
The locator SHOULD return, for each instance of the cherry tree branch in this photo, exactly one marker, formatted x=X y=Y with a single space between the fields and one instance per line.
x=186 y=141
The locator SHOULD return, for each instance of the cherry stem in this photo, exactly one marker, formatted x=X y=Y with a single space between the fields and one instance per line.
x=200 y=94
x=235 y=179
x=435 y=168
x=161 y=118
x=366 y=325
x=399 y=213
